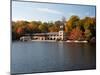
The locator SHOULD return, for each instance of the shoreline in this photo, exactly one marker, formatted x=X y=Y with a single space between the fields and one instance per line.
x=43 y=40
x=76 y=41
x=68 y=41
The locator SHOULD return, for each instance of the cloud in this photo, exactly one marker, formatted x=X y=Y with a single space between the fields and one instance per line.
x=72 y=14
x=86 y=14
x=77 y=14
x=49 y=11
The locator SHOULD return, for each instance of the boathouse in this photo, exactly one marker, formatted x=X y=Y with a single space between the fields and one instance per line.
x=61 y=35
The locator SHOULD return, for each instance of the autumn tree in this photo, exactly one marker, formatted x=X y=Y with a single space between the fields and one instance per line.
x=18 y=28
x=89 y=25
x=76 y=34
x=43 y=27
x=76 y=28
x=72 y=22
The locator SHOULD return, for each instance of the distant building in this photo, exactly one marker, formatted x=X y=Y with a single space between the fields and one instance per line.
x=61 y=35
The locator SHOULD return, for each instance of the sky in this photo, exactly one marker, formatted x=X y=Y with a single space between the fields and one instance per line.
x=47 y=12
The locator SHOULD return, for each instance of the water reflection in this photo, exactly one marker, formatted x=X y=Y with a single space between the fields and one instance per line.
x=34 y=57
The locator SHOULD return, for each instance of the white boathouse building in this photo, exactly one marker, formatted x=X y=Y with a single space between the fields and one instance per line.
x=61 y=35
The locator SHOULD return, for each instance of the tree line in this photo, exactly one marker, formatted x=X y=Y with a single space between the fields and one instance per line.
x=75 y=27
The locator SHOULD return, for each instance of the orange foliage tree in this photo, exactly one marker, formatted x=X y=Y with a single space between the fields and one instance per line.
x=76 y=34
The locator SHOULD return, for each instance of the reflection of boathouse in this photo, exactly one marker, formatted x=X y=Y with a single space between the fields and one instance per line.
x=61 y=35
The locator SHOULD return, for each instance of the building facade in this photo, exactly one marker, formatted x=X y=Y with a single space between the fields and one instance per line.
x=61 y=35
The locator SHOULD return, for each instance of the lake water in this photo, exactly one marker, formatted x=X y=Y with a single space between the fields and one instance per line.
x=33 y=57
